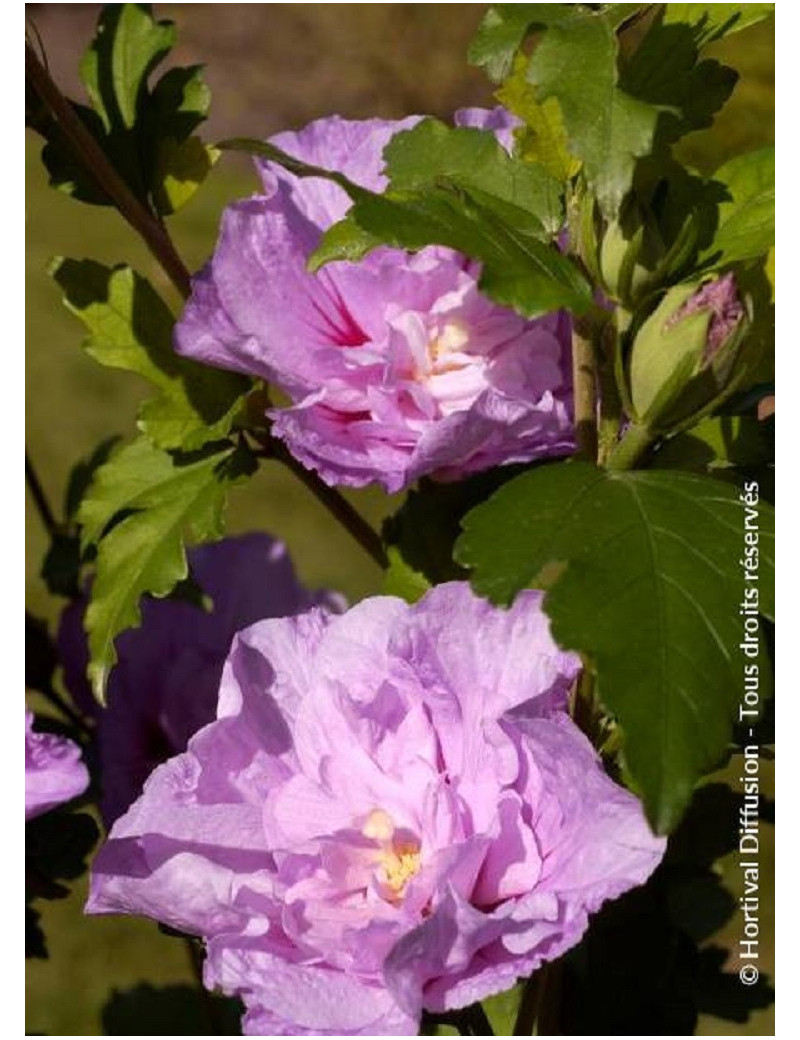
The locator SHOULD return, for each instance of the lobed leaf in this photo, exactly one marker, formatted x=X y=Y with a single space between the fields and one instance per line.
x=642 y=574
x=143 y=508
x=146 y=133
x=130 y=328
x=463 y=212
x=608 y=129
x=710 y=22
x=747 y=221
x=474 y=160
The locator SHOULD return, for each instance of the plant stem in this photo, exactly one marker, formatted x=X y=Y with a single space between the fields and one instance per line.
x=39 y=497
x=91 y=156
x=632 y=448
x=94 y=161
x=610 y=404
x=336 y=504
x=584 y=390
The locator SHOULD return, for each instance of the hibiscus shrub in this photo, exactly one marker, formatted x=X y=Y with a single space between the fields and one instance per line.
x=423 y=811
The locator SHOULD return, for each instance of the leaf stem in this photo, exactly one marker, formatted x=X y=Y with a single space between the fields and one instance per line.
x=95 y=162
x=39 y=497
x=336 y=504
x=633 y=447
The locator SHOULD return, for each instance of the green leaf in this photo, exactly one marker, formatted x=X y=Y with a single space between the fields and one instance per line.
x=717 y=443
x=642 y=574
x=159 y=505
x=576 y=62
x=147 y=134
x=128 y=46
x=543 y=138
x=664 y=71
x=401 y=579
x=82 y=474
x=746 y=222
x=181 y=167
x=519 y=270
x=343 y=241
x=711 y=22
x=130 y=328
x=502 y=1010
x=499 y=37
x=474 y=160
x=505 y=27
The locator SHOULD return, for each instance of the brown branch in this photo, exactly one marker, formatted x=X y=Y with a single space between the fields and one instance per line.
x=39 y=497
x=96 y=164
x=91 y=156
x=336 y=504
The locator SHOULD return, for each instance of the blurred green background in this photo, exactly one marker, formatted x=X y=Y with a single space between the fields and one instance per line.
x=271 y=67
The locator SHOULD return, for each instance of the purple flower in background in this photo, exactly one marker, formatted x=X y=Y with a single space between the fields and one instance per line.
x=396 y=366
x=392 y=812
x=54 y=770
x=165 y=684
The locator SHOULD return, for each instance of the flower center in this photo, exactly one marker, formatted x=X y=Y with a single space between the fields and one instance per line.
x=453 y=336
x=398 y=858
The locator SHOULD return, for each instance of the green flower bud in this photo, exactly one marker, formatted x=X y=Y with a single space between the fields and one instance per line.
x=636 y=262
x=683 y=355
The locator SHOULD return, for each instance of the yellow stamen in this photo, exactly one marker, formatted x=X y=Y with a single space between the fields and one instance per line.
x=398 y=857
x=398 y=865
x=453 y=337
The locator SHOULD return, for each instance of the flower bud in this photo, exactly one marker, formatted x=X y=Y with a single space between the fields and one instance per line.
x=683 y=354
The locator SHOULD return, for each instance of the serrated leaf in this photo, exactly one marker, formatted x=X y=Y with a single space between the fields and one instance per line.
x=128 y=45
x=164 y=505
x=519 y=270
x=179 y=102
x=543 y=138
x=130 y=328
x=664 y=71
x=143 y=131
x=747 y=221
x=504 y=28
x=608 y=129
x=711 y=22
x=642 y=575
x=474 y=160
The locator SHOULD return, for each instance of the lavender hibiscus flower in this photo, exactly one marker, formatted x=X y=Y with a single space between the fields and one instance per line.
x=395 y=366
x=392 y=812
x=54 y=770
x=165 y=685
